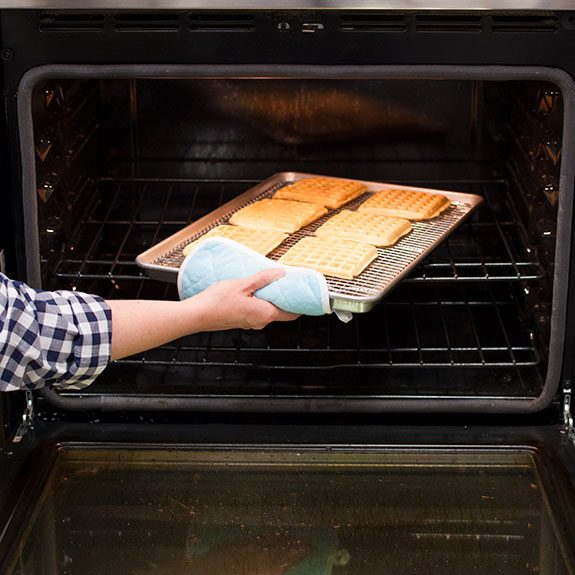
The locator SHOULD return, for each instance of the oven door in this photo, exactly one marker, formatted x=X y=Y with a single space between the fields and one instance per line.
x=288 y=499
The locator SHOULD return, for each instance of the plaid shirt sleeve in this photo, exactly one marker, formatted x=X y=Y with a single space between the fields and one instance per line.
x=59 y=338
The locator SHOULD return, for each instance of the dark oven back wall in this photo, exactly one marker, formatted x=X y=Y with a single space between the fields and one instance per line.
x=250 y=128
x=193 y=127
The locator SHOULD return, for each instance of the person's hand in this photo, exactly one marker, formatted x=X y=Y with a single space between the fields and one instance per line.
x=138 y=325
x=231 y=304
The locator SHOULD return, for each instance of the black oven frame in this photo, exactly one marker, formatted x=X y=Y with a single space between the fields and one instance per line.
x=115 y=403
x=27 y=459
x=430 y=43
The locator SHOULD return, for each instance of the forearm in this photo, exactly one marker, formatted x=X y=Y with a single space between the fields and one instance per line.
x=67 y=338
x=138 y=325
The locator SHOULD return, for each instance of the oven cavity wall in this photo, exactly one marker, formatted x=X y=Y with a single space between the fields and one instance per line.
x=385 y=369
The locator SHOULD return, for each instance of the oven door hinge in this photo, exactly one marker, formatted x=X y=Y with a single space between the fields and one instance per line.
x=567 y=415
x=27 y=418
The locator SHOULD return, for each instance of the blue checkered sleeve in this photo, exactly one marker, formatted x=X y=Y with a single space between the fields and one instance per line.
x=52 y=338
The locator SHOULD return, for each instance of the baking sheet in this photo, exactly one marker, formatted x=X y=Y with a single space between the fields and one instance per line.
x=162 y=261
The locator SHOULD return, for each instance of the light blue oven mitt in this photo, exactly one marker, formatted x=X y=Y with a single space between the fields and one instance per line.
x=300 y=291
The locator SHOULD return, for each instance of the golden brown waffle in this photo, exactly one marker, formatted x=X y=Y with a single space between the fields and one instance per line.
x=330 y=256
x=365 y=228
x=407 y=204
x=262 y=241
x=327 y=192
x=280 y=215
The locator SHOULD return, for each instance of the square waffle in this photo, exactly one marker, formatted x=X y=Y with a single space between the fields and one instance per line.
x=330 y=256
x=328 y=192
x=262 y=241
x=407 y=204
x=280 y=215
x=365 y=228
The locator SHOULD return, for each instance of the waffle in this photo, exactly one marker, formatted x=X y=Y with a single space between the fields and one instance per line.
x=405 y=204
x=262 y=241
x=327 y=192
x=280 y=215
x=365 y=228
x=330 y=256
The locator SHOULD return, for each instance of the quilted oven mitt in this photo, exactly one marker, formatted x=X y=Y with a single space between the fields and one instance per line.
x=300 y=291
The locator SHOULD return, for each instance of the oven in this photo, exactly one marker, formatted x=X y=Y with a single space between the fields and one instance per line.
x=433 y=432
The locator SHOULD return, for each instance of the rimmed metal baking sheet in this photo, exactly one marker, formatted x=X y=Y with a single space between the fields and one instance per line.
x=162 y=261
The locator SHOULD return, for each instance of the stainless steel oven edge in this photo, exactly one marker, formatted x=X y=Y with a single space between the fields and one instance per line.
x=292 y=4
x=562 y=256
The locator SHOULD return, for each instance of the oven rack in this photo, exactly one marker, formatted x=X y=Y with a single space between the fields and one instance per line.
x=479 y=335
x=127 y=216
x=466 y=328
x=417 y=326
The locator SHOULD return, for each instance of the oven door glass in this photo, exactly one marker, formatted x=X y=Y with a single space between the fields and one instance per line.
x=309 y=512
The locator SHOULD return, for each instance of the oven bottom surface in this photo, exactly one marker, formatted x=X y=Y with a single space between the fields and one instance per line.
x=292 y=511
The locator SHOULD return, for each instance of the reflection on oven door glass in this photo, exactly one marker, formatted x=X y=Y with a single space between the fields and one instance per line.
x=262 y=512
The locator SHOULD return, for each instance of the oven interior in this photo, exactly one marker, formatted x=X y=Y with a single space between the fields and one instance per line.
x=123 y=163
x=278 y=511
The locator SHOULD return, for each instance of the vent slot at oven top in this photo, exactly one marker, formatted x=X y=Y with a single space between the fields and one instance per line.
x=222 y=22
x=71 y=22
x=448 y=23
x=172 y=21
x=524 y=23
x=146 y=22
x=374 y=22
x=149 y=22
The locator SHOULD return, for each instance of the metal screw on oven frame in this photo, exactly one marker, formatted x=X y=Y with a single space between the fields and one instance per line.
x=7 y=54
